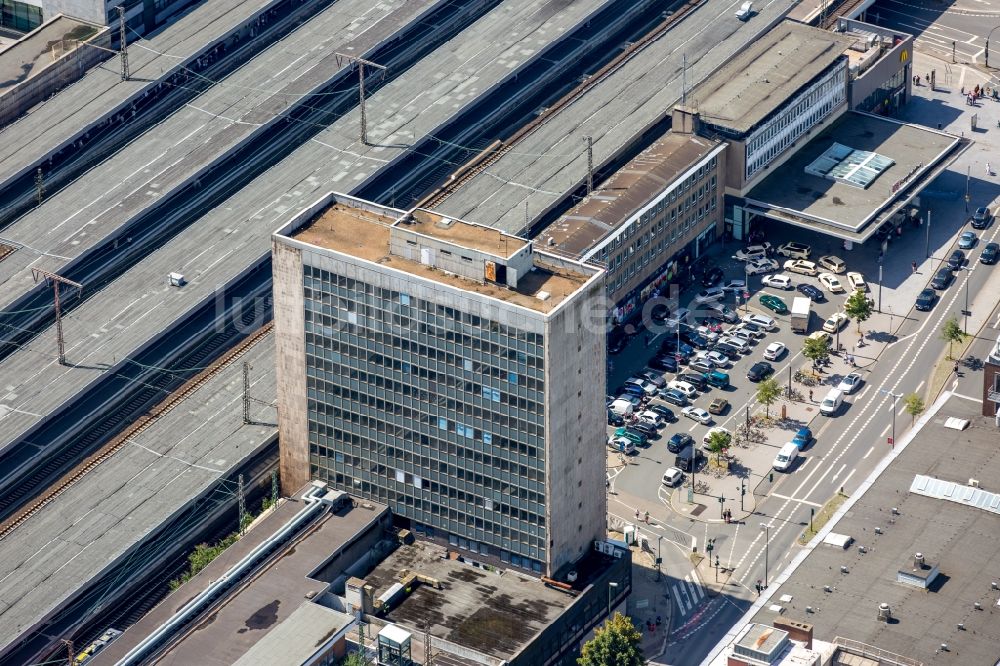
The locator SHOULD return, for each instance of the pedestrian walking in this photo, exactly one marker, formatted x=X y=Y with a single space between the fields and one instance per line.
x=989 y=170
x=913 y=266
x=810 y=395
x=647 y=517
x=637 y=515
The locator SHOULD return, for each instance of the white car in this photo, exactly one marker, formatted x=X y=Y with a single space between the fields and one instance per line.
x=709 y=295
x=760 y=266
x=739 y=343
x=857 y=281
x=779 y=281
x=718 y=358
x=832 y=264
x=830 y=282
x=850 y=383
x=774 y=351
x=752 y=252
x=763 y=321
x=795 y=250
x=709 y=334
x=688 y=390
x=743 y=334
x=698 y=414
x=672 y=477
x=711 y=431
x=652 y=418
x=622 y=445
x=735 y=286
x=800 y=266
x=836 y=322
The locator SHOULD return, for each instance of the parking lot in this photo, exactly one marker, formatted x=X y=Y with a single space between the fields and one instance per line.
x=637 y=479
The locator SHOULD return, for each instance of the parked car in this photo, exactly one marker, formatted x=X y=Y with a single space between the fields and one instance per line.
x=750 y=328
x=648 y=387
x=665 y=412
x=674 y=397
x=927 y=298
x=956 y=260
x=885 y=232
x=967 y=240
x=989 y=254
x=696 y=380
x=832 y=264
x=718 y=359
x=830 y=281
x=800 y=266
x=836 y=322
x=738 y=343
x=819 y=335
x=731 y=352
x=752 y=252
x=712 y=277
x=678 y=441
x=622 y=445
x=981 y=218
x=723 y=312
x=672 y=477
x=718 y=406
x=697 y=414
x=763 y=321
x=774 y=351
x=644 y=428
x=780 y=281
x=802 y=438
x=745 y=12
x=856 y=281
x=654 y=377
x=814 y=294
x=685 y=388
x=666 y=362
x=615 y=419
x=761 y=266
x=759 y=371
x=709 y=295
x=942 y=279
x=637 y=437
x=795 y=250
x=702 y=365
x=734 y=285
x=773 y=303
x=850 y=383
x=785 y=458
x=717 y=379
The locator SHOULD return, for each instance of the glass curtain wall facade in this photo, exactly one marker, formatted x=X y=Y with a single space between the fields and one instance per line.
x=19 y=16
x=431 y=410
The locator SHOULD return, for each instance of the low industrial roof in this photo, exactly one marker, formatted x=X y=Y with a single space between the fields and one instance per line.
x=792 y=194
x=765 y=75
x=298 y=638
x=493 y=612
x=364 y=234
x=42 y=46
x=961 y=540
x=627 y=191
x=251 y=614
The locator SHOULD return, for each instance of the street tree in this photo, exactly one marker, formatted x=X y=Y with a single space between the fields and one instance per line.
x=617 y=643
x=914 y=406
x=354 y=659
x=718 y=442
x=816 y=350
x=858 y=307
x=951 y=333
x=768 y=392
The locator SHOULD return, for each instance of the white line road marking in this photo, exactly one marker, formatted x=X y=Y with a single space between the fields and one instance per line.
x=967 y=397
x=795 y=499
x=842 y=468
x=847 y=478
x=919 y=386
x=736 y=534
x=869 y=452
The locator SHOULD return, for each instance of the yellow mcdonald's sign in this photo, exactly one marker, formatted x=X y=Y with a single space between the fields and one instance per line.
x=904 y=55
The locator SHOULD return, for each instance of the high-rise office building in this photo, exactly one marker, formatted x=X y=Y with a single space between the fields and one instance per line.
x=451 y=371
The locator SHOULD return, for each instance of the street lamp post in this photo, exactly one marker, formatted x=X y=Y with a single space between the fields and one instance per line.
x=968 y=177
x=611 y=586
x=927 y=245
x=879 y=308
x=965 y=312
x=895 y=396
x=764 y=527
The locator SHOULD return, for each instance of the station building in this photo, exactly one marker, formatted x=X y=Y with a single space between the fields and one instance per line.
x=141 y=16
x=445 y=369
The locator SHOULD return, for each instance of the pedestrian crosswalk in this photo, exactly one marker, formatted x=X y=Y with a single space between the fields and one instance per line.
x=688 y=593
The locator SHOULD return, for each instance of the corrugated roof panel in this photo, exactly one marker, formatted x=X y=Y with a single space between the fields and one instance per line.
x=928 y=486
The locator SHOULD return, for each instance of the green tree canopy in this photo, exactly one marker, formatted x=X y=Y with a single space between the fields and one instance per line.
x=768 y=393
x=617 y=643
x=815 y=349
x=718 y=442
x=913 y=405
x=858 y=307
x=951 y=333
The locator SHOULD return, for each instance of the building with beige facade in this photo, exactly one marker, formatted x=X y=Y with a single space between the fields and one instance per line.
x=445 y=369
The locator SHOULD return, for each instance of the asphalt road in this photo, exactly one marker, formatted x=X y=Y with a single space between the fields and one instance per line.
x=937 y=26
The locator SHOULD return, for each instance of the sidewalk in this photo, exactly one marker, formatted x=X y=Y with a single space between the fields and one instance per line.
x=649 y=601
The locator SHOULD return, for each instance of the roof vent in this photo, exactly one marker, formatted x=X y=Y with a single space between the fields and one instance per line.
x=550 y=241
x=884 y=612
x=843 y=569
x=974 y=483
x=878 y=530
x=918 y=560
x=445 y=222
x=543 y=295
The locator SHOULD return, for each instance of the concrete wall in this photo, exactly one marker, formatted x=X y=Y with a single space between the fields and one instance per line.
x=46 y=80
x=575 y=457
x=94 y=11
x=290 y=360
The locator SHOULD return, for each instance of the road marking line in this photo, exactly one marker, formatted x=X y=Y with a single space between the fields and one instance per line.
x=846 y=478
x=842 y=468
x=967 y=397
x=869 y=452
x=795 y=499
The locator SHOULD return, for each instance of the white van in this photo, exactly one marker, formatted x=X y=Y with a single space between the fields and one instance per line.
x=622 y=408
x=786 y=457
x=832 y=402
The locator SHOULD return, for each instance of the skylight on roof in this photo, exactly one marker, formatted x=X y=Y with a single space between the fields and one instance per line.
x=857 y=168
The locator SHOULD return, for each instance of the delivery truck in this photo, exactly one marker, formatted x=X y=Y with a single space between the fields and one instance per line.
x=801 y=309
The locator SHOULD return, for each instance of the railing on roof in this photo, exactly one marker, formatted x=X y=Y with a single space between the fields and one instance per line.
x=870 y=651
